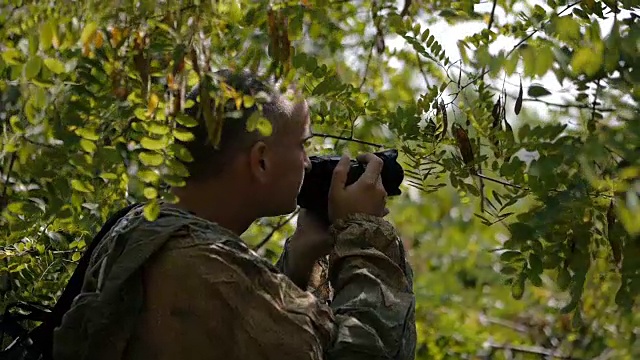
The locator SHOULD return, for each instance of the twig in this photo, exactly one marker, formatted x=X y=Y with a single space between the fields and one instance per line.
x=482 y=200
x=6 y=181
x=348 y=139
x=565 y=106
x=536 y=30
x=504 y=183
x=366 y=68
x=501 y=182
x=275 y=228
x=515 y=47
x=50 y=146
x=509 y=324
x=595 y=102
x=493 y=12
x=421 y=67
x=536 y=350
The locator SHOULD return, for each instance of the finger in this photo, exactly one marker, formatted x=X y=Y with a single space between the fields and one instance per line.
x=339 y=177
x=373 y=169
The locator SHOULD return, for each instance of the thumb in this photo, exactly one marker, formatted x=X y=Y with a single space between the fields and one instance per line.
x=339 y=178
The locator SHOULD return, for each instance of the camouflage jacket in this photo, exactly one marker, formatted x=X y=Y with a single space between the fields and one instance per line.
x=182 y=287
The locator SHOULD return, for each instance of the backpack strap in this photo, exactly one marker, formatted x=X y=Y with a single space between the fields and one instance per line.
x=42 y=336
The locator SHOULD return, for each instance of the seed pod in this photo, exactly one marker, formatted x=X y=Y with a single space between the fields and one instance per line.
x=464 y=144
x=614 y=242
x=445 y=121
x=495 y=113
x=518 y=106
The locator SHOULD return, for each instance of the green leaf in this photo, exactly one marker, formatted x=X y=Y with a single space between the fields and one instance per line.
x=517 y=288
x=148 y=176
x=151 y=210
x=587 y=60
x=264 y=126
x=16 y=207
x=81 y=186
x=76 y=256
x=177 y=168
x=181 y=152
x=538 y=91
x=32 y=67
x=544 y=60
x=150 y=158
x=157 y=128
x=88 y=32
x=248 y=101
x=88 y=146
x=324 y=86
x=509 y=256
x=564 y=278
x=567 y=28
x=150 y=193
x=86 y=133
x=153 y=144
x=535 y=263
x=183 y=135
x=46 y=35
x=186 y=120
x=55 y=65
x=140 y=113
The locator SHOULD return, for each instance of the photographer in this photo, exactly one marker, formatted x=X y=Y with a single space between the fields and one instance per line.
x=186 y=286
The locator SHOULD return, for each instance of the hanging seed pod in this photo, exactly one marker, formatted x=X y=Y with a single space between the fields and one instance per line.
x=495 y=114
x=614 y=242
x=518 y=105
x=464 y=144
x=445 y=121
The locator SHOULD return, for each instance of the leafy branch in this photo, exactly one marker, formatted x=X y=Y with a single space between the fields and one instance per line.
x=275 y=229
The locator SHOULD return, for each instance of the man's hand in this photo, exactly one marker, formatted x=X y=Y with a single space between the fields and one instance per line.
x=366 y=196
x=310 y=242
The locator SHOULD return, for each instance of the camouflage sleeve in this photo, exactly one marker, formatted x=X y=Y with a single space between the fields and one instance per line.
x=374 y=304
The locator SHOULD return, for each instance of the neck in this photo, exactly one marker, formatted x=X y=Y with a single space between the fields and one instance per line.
x=224 y=207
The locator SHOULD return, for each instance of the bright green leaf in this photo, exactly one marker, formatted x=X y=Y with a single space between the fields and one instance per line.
x=56 y=66
x=88 y=32
x=148 y=176
x=150 y=193
x=151 y=210
x=153 y=144
x=150 y=158
x=88 y=146
x=183 y=135
x=81 y=186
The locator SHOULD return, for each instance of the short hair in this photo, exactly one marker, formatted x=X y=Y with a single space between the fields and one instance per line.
x=210 y=160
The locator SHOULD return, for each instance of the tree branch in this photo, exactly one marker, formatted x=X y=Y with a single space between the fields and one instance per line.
x=366 y=68
x=348 y=139
x=278 y=226
x=536 y=350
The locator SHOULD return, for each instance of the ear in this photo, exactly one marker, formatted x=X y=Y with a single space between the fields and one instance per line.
x=259 y=161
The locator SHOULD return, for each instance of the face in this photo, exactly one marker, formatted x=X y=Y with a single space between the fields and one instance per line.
x=287 y=161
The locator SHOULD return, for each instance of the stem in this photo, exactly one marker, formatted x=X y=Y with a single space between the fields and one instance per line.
x=349 y=139
x=276 y=228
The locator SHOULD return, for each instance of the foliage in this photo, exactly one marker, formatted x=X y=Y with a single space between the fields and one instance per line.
x=513 y=219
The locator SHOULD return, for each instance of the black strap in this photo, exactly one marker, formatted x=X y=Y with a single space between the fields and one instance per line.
x=42 y=336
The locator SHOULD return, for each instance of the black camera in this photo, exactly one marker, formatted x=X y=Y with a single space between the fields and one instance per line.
x=314 y=194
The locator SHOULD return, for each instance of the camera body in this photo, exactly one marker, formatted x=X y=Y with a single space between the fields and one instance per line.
x=314 y=194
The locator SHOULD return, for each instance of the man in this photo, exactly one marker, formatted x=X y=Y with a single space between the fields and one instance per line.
x=186 y=286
